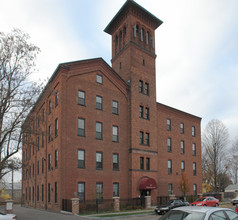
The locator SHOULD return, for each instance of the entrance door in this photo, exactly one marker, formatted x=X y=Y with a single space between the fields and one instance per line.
x=144 y=193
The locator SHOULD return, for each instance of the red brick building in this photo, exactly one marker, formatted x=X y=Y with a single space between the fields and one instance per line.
x=97 y=131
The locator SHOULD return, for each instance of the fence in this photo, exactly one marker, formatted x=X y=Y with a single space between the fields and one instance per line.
x=92 y=206
x=131 y=204
x=164 y=199
x=67 y=205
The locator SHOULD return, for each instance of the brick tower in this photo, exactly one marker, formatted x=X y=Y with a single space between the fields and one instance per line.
x=133 y=57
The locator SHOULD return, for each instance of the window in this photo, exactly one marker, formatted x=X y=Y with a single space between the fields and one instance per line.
x=99 y=192
x=43 y=165
x=136 y=29
x=29 y=193
x=194 y=189
x=170 y=189
x=115 y=189
x=231 y=215
x=115 y=134
x=81 y=192
x=219 y=215
x=56 y=192
x=182 y=128
x=147 y=163
x=81 y=127
x=33 y=169
x=147 y=37
x=81 y=159
x=43 y=114
x=115 y=161
x=169 y=142
x=141 y=109
x=147 y=139
x=43 y=139
x=81 y=97
x=168 y=124
x=193 y=131
x=147 y=113
x=194 y=149
x=169 y=166
x=141 y=137
x=114 y=107
x=50 y=106
x=142 y=34
x=38 y=167
x=142 y=163
x=42 y=192
x=56 y=127
x=56 y=98
x=146 y=88
x=33 y=193
x=49 y=134
x=99 y=130
x=48 y=192
x=194 y=169
x=99 y=102
x=140 y=86
x=99 y=79
x=99 y=164
x=56 y=158
x=182 y=147
x=49 y=162
x=182 y=166
x=38 y=143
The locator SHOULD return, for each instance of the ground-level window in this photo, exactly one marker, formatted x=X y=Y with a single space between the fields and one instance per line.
x=170 y=189
x=48 y=192
x=99 y=192
x=81 y=191
x=56 y=192
x=115 y=189
x=194 y=189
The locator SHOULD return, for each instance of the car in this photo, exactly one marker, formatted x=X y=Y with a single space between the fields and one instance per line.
x=206 y=201
x=161 y=209
x=4 y=216
x=200 y=213
x=234 y=201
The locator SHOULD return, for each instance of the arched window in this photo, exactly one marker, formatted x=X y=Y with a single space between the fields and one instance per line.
x=142 y=34
x=136 y=30
x=147 y=35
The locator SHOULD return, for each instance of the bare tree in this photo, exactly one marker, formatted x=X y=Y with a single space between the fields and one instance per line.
x=233 y=161
x=17 y=92
x=214 y=142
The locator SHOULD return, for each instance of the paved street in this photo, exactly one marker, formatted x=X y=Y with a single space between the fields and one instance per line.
x=30 y=213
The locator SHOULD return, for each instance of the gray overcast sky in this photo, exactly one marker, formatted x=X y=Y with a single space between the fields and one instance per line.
x=196 y=46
